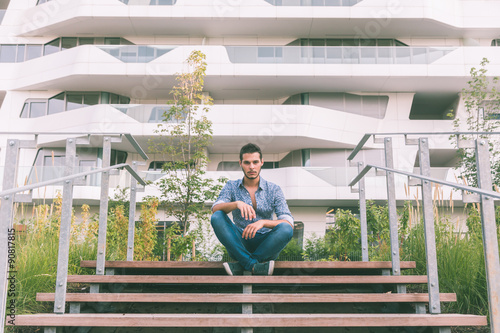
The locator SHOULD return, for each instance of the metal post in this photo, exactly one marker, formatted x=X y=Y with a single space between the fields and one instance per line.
x=362 y=215
x=131 y=215
x=430 y=234
x=103 y=209
x=247 y=308
x=490 y=239
x=65 y=228
x=391 y=204
x=9 y=177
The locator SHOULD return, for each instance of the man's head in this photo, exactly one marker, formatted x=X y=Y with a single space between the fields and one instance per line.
x=251 y=160
x=250 y=148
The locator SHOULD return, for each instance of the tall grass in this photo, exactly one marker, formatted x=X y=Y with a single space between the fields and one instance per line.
x=461 y=267
x=37 y=251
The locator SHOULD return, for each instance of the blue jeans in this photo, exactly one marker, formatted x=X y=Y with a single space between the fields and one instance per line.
x=248 y=252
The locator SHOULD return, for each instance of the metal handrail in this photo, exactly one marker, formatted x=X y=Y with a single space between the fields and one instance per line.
x=367 y=136
x=485 y=196
x=425 y=178
x=74 y=176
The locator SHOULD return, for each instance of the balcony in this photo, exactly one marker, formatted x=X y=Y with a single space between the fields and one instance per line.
x=335 y=55
x=262 y=17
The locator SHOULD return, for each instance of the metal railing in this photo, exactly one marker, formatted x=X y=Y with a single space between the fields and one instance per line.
x=484 y=194
x=11 y=194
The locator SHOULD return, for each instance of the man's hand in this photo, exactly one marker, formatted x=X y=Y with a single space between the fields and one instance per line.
x=252 y=229
x=247 y=211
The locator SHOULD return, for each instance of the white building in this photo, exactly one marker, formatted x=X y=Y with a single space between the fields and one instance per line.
x=304 y=79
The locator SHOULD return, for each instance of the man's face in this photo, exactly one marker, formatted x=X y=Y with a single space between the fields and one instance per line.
x=251 y=165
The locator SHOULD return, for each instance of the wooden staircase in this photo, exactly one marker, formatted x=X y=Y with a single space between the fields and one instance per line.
x=199 y=297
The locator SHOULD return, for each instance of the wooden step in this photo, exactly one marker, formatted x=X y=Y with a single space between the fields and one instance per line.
x=247 y=298
x=225 y=279
x=249 y=320
x=278 y=264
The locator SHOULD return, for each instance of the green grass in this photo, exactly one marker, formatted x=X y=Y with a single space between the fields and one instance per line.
x=461 y=268
x=36 y=261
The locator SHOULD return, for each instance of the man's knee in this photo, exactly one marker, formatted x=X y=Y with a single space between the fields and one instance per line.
x=218 y=218
x=285 y=230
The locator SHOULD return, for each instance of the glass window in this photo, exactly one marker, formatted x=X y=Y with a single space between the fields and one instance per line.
x=68 y=42
x=385 y=42
x=90 y=99
x=156 y=165
x=20 y=53
x=85 y=41
x=53 y=160
x=121 y=157
x=25 y=111
x=51 y=47
x=350 y=42
x=73 y=101
x=402 y=55
x=104 y=98
x=368 y=55
x=56 y=104
x=146 y=54
x=124 y=100
x=8 y=53
x=34 y=51
x=334 y=42
x=112 y=41
x=114 y=99
x=38 y=109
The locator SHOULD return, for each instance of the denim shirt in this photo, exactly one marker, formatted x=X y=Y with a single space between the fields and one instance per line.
x=269 y=199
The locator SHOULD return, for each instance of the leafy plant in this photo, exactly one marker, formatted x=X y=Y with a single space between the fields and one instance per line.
x=185 y=134
x=482 y=109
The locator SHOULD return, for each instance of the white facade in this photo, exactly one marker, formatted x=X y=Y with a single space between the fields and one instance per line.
x=304 y=79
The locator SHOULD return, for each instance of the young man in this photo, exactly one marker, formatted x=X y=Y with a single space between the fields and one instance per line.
x=254 y=239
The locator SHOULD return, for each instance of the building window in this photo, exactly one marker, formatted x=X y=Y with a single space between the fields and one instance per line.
x=65 y=43
x=495 y=42
x=67 y=101
x=34 y=109
x=370 y=106
x=156 y=165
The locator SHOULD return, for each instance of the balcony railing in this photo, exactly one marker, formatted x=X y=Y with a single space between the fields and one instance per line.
x=149 y=2
x=333 y=3
x=262 y=54
x=137 y=53
x=335 y=54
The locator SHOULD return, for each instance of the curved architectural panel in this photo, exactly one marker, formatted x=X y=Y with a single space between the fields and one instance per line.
x=346 y=3
x=2 y=14
x=335 y=55
x=436 y=19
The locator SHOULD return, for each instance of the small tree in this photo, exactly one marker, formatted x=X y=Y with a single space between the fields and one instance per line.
x=482 y=110
x=186 y=133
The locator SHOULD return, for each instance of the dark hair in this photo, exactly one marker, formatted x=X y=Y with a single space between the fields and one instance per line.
x=250 y=148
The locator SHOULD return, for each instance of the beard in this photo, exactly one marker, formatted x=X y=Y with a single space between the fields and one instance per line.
x=255 y=174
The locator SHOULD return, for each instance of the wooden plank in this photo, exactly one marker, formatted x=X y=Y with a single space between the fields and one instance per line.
x=278 y=264
x=253 y=320
x=225 y=279
x=247 y=298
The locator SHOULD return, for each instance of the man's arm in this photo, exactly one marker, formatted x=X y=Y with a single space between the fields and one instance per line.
x=247 y=211
x=252 y=229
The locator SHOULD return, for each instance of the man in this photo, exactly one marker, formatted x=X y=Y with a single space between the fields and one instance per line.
x=254 y=239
